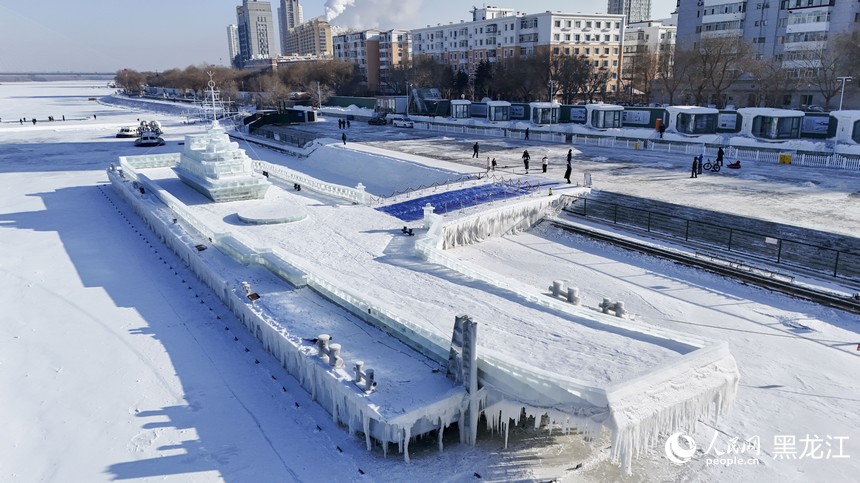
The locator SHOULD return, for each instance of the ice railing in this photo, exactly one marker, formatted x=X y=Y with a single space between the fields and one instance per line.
x=356 y=195
x=633 y=428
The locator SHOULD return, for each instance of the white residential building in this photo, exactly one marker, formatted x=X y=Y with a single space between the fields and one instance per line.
x=495 y=34
x=233 y=44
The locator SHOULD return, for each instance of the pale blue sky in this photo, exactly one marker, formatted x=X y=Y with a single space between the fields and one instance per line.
x=104 y=36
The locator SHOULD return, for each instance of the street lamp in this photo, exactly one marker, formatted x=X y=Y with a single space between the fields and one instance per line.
x=842 y=94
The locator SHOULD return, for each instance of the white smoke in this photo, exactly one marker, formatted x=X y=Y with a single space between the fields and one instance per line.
x=366 y=14
x=333 y=8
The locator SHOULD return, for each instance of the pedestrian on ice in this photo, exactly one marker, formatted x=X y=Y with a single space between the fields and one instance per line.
x=701 y=162
x=34 y=121
x=526 y=159
x=488 y=164
x=569 y=156
x=527 y=134
x=545 y=163
x=475 y=149
x=567 y=171
x=493 y=164
x=343 y=138
x=695 y=172
x=347 y=123
x=720 y=154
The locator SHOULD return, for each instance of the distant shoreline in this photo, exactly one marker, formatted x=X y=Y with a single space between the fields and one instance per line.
x=48 y=77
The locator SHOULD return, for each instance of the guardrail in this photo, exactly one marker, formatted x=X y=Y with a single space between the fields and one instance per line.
x=767 y=247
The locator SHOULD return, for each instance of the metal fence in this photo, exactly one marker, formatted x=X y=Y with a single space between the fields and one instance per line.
x=768 y=248
x=800 y=158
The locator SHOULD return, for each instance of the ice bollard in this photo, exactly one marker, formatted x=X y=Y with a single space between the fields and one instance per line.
x=322 y=345
x=619 y=309
x=573 y=295
x=370 y=380
x=359 y=371
x=556 y=288
x=334 y=359
x=606 y=305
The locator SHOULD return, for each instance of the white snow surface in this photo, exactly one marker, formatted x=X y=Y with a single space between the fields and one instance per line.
x=111 y=370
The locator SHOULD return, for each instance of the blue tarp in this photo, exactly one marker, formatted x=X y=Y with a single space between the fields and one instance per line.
x=454 y=200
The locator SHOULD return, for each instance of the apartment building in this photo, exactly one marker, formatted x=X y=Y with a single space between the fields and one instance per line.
x=310 y=38
x=256 y=31
x=376 y=53
x=785 y=30
x=650 y=43
x=495 y=34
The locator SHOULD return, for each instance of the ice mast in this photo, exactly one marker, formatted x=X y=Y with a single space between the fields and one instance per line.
x=215 y=166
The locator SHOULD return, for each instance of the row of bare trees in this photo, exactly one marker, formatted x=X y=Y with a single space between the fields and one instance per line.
x=710 y=72
x=718 y=68
x=540 y=76
x=267 y=88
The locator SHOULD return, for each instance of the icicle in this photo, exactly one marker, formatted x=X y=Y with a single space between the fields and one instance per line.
x=406 y=437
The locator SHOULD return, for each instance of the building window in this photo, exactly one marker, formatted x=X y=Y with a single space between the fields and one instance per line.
x=558 y=23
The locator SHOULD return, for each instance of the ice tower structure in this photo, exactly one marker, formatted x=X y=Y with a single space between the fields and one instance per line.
x=218 y=168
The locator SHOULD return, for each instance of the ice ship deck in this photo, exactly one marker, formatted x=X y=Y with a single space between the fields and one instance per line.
x=577 y=365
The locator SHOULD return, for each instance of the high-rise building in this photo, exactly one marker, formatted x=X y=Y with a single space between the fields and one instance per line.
x=289 y=17
x=633 y=10
x=647 y=45
x=310 y=38
x=233 y=44
x=256 y=31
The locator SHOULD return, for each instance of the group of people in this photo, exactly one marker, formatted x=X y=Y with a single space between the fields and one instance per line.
x=342 y=123
x=698 y=166
x=526 y=157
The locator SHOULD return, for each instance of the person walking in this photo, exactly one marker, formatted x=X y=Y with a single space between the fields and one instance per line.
x=527 y=134
x=526 y=159
x=343 y=138
x=545 y=163
x=34 y=121
x=488 y=164
x=567 y=171
x=347 y=123
x=569 y=156
x=695 y=172
x=701 y=162
x=493 y=164
x=720 y=154
x=475 y=149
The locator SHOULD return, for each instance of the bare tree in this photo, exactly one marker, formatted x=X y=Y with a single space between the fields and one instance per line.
x=721 y=60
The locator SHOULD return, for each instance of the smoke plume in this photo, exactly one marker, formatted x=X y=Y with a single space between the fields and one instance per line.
x=365 y=14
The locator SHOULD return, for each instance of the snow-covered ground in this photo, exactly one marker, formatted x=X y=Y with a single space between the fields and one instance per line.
x=110 y=369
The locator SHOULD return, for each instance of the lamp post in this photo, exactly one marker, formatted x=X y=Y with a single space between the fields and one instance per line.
x=407 y=99
x=843 y=79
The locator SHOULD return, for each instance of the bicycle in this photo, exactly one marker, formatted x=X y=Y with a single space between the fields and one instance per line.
x=712 y=167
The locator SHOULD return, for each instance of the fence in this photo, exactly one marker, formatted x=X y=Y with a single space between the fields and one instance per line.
x=553 y=137
x=769 y=248
x=800 y=158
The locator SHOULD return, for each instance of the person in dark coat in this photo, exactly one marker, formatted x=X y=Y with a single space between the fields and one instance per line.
x=695 y=172
x=545 y=163
x=720 y=154
x=34 y=121
x=475 y=149
x=343 y=138
x=493 y=164
x=567 y=171
x=701 y=162
x=527 y=134
x=569 y=155
x=526 y=159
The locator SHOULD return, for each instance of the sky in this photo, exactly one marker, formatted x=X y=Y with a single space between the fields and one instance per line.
x=117 y=376
x=95 y=36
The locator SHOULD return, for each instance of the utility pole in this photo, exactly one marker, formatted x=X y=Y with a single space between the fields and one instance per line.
x=842 y=94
